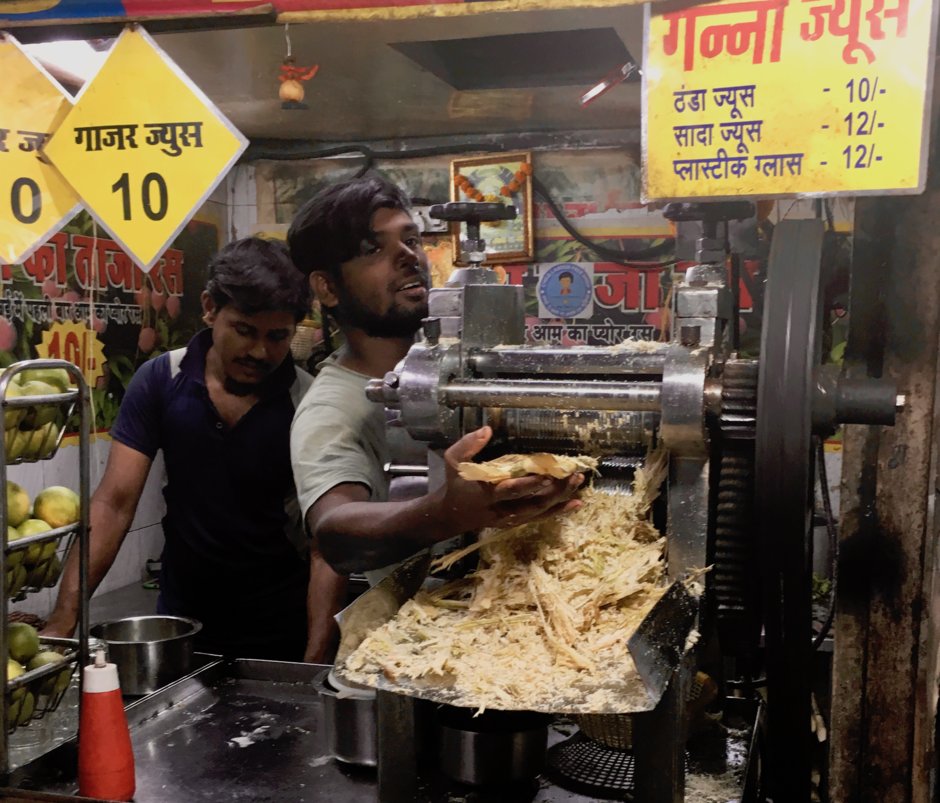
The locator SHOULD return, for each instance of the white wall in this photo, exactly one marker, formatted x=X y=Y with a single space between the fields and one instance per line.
x=143 y=542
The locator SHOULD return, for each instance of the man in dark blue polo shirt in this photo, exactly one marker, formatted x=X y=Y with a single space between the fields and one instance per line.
x=236 y=557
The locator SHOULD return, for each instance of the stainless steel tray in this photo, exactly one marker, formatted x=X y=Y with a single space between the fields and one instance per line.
x=252 y=732
x=237 y=730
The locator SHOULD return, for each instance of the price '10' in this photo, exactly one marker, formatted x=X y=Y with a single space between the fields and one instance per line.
x=26 y=200
x=153 y=184
x=73 y=350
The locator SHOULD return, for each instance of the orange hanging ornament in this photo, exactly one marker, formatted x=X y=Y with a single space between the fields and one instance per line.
x=292 y=90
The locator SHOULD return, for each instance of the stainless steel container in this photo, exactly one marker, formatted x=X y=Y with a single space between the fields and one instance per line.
x=496 y=747
x=350 y=724
x=150 y=651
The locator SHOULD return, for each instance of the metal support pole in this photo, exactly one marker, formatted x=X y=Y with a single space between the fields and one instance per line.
x=736 y=299
x=4 y=607
x=886 y=662
x=659 y=744
x=84 y=535
x=84 y=410
x=398 y=747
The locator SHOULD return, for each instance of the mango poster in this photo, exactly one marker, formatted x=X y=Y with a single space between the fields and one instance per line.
x=79 y=278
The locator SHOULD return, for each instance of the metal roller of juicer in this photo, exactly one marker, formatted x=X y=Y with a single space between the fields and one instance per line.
x=724 y=420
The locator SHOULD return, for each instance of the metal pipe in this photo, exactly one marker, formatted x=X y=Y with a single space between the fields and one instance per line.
x=571 y=360
x=44 y=671
x=401 y=470
x=39 y=538
x=84 y=536
x=33 y=401
x=5 y=380
x=542 y=394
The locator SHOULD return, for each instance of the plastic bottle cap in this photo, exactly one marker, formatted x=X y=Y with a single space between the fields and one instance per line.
x=101 y=676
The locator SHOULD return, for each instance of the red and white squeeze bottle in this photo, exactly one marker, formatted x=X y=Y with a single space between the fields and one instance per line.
x=105 y=757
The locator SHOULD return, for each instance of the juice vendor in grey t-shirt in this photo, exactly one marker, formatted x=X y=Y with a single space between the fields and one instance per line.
x=363 y=253
x=338 y=436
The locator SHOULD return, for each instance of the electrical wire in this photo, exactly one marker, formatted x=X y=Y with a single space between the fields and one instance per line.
x=628 y=260
x=274 y=149
x=833 y=547
x=608 y=254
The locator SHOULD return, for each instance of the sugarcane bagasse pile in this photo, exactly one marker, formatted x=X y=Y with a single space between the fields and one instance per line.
x=546 y=616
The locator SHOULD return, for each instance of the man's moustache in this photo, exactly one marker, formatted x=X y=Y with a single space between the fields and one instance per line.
x=259 y=365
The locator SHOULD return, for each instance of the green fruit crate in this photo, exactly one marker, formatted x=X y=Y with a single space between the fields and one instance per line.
x=38 y=402
x=33 y=562
x=39 y=691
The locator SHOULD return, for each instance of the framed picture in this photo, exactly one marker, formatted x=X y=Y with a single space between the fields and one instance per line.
x=507 y=241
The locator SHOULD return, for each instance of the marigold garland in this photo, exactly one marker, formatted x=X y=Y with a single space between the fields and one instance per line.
x=463 y=183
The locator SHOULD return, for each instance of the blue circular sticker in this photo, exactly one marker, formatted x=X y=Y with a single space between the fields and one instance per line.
x=566 y=290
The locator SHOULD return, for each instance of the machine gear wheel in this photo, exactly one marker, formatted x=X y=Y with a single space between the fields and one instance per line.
x=735 y=586
x=739 y=399
x=791 y=344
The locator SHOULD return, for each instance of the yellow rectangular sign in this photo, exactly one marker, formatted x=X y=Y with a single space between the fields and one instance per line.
x=787 y=98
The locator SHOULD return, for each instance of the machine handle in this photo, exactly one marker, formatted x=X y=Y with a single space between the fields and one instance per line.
x=482 y=212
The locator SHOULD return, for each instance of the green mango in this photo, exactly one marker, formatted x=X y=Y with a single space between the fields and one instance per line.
x=26 y=710
x=54 y=573
x=41 y=442
x=36 y=553
x=41 y=414
x=56 y=377
x=19 y=580
x=54 y=683
x=14 y=417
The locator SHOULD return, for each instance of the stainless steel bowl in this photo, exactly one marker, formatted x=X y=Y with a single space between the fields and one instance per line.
x=150 y=651
x=496 y=747
x=350 y=725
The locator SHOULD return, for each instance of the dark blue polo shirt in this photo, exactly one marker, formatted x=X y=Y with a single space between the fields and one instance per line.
x=235 y=558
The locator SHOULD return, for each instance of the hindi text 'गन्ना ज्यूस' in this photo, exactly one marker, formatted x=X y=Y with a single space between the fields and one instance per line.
x=776 y=97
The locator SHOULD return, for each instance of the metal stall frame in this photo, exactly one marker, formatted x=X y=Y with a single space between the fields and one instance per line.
x=79 y=398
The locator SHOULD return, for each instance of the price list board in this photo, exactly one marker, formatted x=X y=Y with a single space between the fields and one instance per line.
x=787 y=98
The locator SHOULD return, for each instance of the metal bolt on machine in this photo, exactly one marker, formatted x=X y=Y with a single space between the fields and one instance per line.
x=742 y=435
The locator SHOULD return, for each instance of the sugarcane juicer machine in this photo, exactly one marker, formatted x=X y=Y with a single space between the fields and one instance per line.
x=742 y=435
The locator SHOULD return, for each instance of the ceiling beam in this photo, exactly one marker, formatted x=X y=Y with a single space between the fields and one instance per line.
x=418 y=147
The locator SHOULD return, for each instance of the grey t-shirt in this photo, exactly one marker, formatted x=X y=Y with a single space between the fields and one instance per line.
x=338 y=436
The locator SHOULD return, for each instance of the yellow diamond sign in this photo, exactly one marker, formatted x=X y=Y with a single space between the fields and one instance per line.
x=34 y=199
x=144 y=147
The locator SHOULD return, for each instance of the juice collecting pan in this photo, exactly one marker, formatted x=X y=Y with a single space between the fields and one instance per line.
x=657 y=648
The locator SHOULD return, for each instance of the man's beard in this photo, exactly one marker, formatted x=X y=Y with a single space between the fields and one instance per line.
x=237 y=388
x=393 y=323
